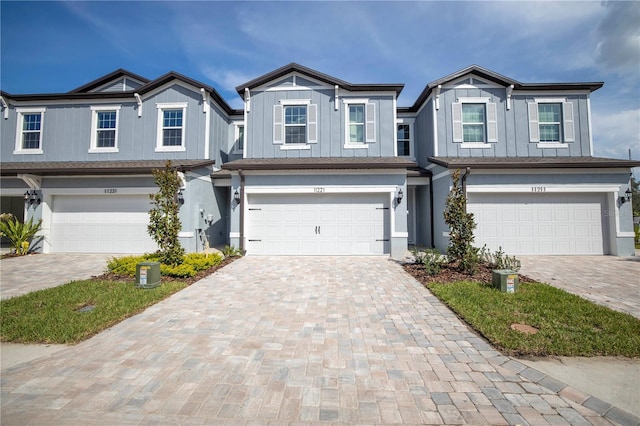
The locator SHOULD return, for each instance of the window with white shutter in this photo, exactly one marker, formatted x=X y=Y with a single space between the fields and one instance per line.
x=551 y=122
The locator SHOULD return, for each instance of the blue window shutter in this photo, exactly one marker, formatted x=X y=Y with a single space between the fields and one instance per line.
x=456 y=114
x=492 y=122
x=312 y=123
x=278 y=126
x=534 y=128
x=567 y=116
x=370 y=119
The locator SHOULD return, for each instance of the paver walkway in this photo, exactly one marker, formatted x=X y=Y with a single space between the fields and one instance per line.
x=287 y=340
x=607 y=280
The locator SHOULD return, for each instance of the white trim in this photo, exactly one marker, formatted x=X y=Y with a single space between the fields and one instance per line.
x=312 y=189
x=545 y=171
x=292 y=146
x=395 y=234
x=139 y=101
x=20 y=111
x=140 y=190
x=590 y=128
x=160 y=107
x=548 y=188
x=545 y=145
x=418 y=181
x=327 y=171
x=550 y=100
x=5 y=107
x=93 y=149
x=295 y=102
x=552 y=93
x=234 y=235
x=356 y=146
x=207 y=124
x=474 y=145
x=434 y=120
x=474 y=100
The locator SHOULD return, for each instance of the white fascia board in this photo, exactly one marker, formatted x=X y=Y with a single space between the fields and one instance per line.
x=62 y=102
x=141 y=190
x=548 y=188
x=314 y=189
x=418 y=181
x=321 y=172
x=552 y=93
x=550 y=171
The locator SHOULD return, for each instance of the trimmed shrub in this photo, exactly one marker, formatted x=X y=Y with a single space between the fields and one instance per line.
x=192 y=264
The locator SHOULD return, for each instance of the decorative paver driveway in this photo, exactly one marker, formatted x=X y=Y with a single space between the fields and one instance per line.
x=21 y=275
x=284 y=340
x=608 y=280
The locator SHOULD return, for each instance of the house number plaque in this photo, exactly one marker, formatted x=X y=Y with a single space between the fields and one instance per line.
x=538 y=189
x=111 y=190
x=318 y=189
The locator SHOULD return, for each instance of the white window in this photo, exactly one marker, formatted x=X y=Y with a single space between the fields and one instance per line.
x=104 y=128
x=295 y=123
x=551 y=122
x=405 y=138
x=475 y=122
x=29 y=130
x=238 y=140
x=171 y=127
x=360 y=123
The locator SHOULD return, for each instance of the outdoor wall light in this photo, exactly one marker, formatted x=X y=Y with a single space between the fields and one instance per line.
x=400 y=195
x=236 y=196
x=31 y=197
x=626 y=197
x=180 y=197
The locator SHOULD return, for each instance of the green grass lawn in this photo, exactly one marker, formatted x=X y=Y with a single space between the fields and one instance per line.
x=568 y=325
x=50 y=315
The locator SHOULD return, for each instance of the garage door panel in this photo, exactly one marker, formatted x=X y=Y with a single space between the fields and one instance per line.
x=326 y=224
x=547 y=223
x=98 y=224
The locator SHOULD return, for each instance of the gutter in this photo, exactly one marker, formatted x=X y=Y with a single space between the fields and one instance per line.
x=241 y=210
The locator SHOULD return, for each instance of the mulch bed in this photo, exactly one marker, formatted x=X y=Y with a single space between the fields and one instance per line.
x=109 y=276
x=450 y=273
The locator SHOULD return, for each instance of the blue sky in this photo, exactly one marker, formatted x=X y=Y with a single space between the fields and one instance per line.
x=58 y=46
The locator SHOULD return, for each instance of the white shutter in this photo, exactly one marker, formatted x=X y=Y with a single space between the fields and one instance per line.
x=312 y=123
x=534 y=128
x=456 y=114
x=492 y=122
x=567 y=115
x=370 y=119
x=278 y=125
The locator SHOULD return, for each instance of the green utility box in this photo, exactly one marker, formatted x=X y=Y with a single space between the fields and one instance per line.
x=148 y=274
x=506 y=280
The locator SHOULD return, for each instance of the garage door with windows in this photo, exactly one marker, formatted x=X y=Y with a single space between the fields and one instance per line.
x=318 y=224
x=549 y=223
x=101 y=224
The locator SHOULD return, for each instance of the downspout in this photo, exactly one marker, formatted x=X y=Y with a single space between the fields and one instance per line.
x=241 y=210
x=5 y=106
x=464 y=186
x=433 y=241
x=139 y=101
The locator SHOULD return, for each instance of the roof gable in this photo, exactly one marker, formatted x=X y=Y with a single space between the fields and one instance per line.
x=107 y=79
x=294 y=68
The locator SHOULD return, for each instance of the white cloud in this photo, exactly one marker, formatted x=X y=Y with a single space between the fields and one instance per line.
x=614 y=133
x=226 y=78
x=618 y=48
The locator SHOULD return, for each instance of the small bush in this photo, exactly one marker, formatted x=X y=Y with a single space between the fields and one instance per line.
x=191 y=265
x=499 y=259
x=470 y=260
x=231 y=251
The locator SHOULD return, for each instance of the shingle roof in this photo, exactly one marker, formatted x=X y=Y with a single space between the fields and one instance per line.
x=320 y=163
x=65 y=168
x=533 y=162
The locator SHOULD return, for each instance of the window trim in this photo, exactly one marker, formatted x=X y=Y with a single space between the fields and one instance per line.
x=161 y=107
x=567 y=122
x=369 y=123
x=21 y=112
x=94 y=148
x=490 y=122
x=410 y=123
x=311 y=126
x=236 y=137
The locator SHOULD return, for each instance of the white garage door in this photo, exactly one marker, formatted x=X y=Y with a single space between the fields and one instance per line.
x=101 y=224
x=317 y=224
x=539 y=223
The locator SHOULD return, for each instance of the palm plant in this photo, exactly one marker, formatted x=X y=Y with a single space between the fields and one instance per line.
x=19 y=233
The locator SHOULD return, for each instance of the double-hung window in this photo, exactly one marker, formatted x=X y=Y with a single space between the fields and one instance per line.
x=474 y=122
x=104 y=128
x=356 y=124
x=360 y=123
x=29 y=130
x=295 y=123
x=551 y=122
x=404 y=140
x=171 y=127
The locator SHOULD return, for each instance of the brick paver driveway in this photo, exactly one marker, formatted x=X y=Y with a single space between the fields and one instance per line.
x=344 y=340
